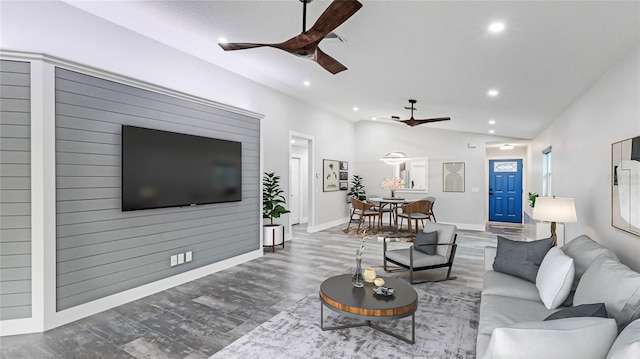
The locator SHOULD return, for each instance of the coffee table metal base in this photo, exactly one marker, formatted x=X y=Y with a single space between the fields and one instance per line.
x=367 y=323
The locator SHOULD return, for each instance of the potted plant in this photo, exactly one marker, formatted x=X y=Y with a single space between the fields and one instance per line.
x=532 y=199
x=357 y=189
x=273 y=203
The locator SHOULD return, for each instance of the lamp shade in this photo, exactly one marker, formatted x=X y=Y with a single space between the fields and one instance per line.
x=555 y=209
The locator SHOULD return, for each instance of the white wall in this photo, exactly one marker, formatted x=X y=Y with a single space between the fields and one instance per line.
x=466 y=209
x=57 y=29
x=581 y=139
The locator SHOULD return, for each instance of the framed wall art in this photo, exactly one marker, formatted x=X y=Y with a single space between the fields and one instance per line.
x=625 y=185
x=453 y=177
x=330 y=175
x=344 y=166
x=344 y=185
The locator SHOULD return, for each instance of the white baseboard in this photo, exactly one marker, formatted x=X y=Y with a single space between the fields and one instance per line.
x=468 y=226
x=29 y=325
x=327 y=225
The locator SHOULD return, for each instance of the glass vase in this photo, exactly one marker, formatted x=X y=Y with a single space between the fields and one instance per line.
x=358 y=278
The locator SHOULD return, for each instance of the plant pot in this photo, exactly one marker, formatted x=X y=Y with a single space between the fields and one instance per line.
x=272 y=235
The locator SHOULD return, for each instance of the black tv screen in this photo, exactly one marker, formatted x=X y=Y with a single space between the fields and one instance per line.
x=167 y=169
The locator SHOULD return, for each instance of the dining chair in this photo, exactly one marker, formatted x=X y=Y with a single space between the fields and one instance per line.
x=362 y=210
x=415 y=211
x=430 y=214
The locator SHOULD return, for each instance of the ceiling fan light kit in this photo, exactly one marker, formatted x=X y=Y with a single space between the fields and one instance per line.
x=306 y=44
x=394 y=158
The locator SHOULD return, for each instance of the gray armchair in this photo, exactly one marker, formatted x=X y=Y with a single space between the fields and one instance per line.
x=416 y=260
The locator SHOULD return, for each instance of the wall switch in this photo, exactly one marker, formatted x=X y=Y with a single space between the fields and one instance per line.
x=189 y=256
x=174 y=260
x=180 y=258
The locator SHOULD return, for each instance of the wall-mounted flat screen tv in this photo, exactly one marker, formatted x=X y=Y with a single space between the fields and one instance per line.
x=167 y=169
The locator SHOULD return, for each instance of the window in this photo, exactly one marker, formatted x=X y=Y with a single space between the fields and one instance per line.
x=546 y=172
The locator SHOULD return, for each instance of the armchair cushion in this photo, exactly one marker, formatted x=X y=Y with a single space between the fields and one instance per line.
x=446 y=235
x=521 y=259
x=425 y=242
x=420 y=259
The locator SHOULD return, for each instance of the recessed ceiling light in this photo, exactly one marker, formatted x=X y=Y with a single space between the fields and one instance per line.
x=492 y=92
x=492 y=131
x=496 y=27
x=293 y=141
x=506 y=146
x=355 y=108
x=222 y=40
x=307 y=83
x=492 y=122
x=373 y=118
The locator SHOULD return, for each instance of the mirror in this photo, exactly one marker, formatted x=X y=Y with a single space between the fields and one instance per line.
x=415 y=173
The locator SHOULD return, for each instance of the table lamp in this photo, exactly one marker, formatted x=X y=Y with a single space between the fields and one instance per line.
x=555 y=209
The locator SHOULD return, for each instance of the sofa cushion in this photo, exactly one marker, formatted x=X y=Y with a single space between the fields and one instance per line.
x=496 y=283
x=555 y=277
x=499 y=311
x=584 y=310
x=482 y=343
x=566 y=338
x=627 y=345
x=424 y=242
x=614 y=284
x=584 y=251
x=521 y=259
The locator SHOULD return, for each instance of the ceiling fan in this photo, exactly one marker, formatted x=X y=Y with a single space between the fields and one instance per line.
x=306 y=44
x=413 y=122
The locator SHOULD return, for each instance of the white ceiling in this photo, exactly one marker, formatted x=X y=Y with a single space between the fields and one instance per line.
x=437 y=52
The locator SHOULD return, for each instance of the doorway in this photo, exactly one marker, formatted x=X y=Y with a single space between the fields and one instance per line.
x=505 y=190
x=295 y=205
x=301 y=195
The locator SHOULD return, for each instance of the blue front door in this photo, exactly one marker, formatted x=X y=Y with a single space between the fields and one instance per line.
x=505 y=191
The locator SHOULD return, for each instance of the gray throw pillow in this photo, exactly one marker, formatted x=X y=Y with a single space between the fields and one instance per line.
x=583 y=310
x=521 y=259
x=423 y=240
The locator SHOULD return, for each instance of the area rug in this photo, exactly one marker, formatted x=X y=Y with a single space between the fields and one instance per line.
x=446 y=327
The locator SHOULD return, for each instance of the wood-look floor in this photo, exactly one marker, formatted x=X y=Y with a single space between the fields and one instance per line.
x=196 y=319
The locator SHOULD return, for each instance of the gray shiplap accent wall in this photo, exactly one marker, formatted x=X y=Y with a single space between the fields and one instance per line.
x=15 y=190
x=101 y=250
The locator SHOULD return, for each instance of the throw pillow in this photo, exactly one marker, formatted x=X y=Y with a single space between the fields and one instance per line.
x=583 y=310
x=521 y=259
x=627 y=345
x=571 y=338
x=423 y=240
x=555 y=277
x=614 y=284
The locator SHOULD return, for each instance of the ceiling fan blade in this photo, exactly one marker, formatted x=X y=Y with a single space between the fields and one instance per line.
x=327 y=62
x=337 y=13
x=413 y=122
x=241 y=46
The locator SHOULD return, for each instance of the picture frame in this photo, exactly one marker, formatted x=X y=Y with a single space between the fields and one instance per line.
x=625 y=192
x=344 y=176
x=344 y=166
x=453 y=177
x=330 y=175
x=344 y=185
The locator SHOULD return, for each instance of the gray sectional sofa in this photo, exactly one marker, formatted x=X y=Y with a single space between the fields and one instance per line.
x=512 y=315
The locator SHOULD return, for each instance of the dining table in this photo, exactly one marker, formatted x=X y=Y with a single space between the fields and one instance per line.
x=393 y=203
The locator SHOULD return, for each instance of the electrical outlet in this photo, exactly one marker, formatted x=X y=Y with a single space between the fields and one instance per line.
x=174 y=260
x=189 y=256
x=180 y=258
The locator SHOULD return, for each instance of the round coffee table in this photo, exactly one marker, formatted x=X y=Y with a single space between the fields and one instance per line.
x=338 y=294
